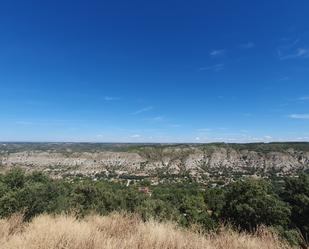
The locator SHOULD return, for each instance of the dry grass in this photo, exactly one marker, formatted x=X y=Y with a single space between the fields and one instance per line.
x=120 y=231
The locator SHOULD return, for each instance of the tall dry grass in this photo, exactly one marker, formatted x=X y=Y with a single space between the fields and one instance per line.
x=120 y=231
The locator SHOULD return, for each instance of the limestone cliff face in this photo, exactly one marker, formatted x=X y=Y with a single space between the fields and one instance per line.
x=172 y=159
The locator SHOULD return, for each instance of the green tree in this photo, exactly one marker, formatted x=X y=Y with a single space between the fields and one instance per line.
x=83 y=198
x=15 y=179
x=158 y=209
x=36 y=198
x=251 y=203
x=296 y=193
x=9 y=204
x=37 y=176
x=215 y=200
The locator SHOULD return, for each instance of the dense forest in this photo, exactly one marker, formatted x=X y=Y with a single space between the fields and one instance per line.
x=244 y=204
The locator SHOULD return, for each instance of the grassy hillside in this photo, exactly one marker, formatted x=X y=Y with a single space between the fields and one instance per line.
x=121 y=231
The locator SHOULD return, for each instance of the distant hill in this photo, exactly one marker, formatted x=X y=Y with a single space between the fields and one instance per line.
x=202 y=162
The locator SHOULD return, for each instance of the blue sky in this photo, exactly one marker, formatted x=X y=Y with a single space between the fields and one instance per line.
x=154 y=71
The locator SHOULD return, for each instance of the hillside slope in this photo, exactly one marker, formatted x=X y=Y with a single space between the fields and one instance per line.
x=118 y=231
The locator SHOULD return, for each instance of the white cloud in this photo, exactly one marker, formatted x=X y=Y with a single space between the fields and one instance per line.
x=145 y=109
x=217 y=53
x=135 y=136
x=299 y=116
x=214 y=68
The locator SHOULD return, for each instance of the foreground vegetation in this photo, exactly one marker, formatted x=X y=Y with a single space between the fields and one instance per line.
x=122 y=231
x=244 y=205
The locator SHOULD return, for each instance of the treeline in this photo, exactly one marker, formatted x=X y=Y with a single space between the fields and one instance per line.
x=245 y=204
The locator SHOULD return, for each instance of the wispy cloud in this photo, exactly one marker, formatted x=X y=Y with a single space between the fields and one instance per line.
x=292 y=49
x=299 y=116
x=284 y=78
x=135 y=136
x=214 y=68
x=217 y=52
x=175 y=125
x=157 y=118
x=145 y=109
x=304 y=98
x=247 y=45
x=247 y=114
x=302 y=52
x=110 y=98
x=25 y=123
x=297 y=53
x=289 y=43
x=52 y=122
x=204 y=130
